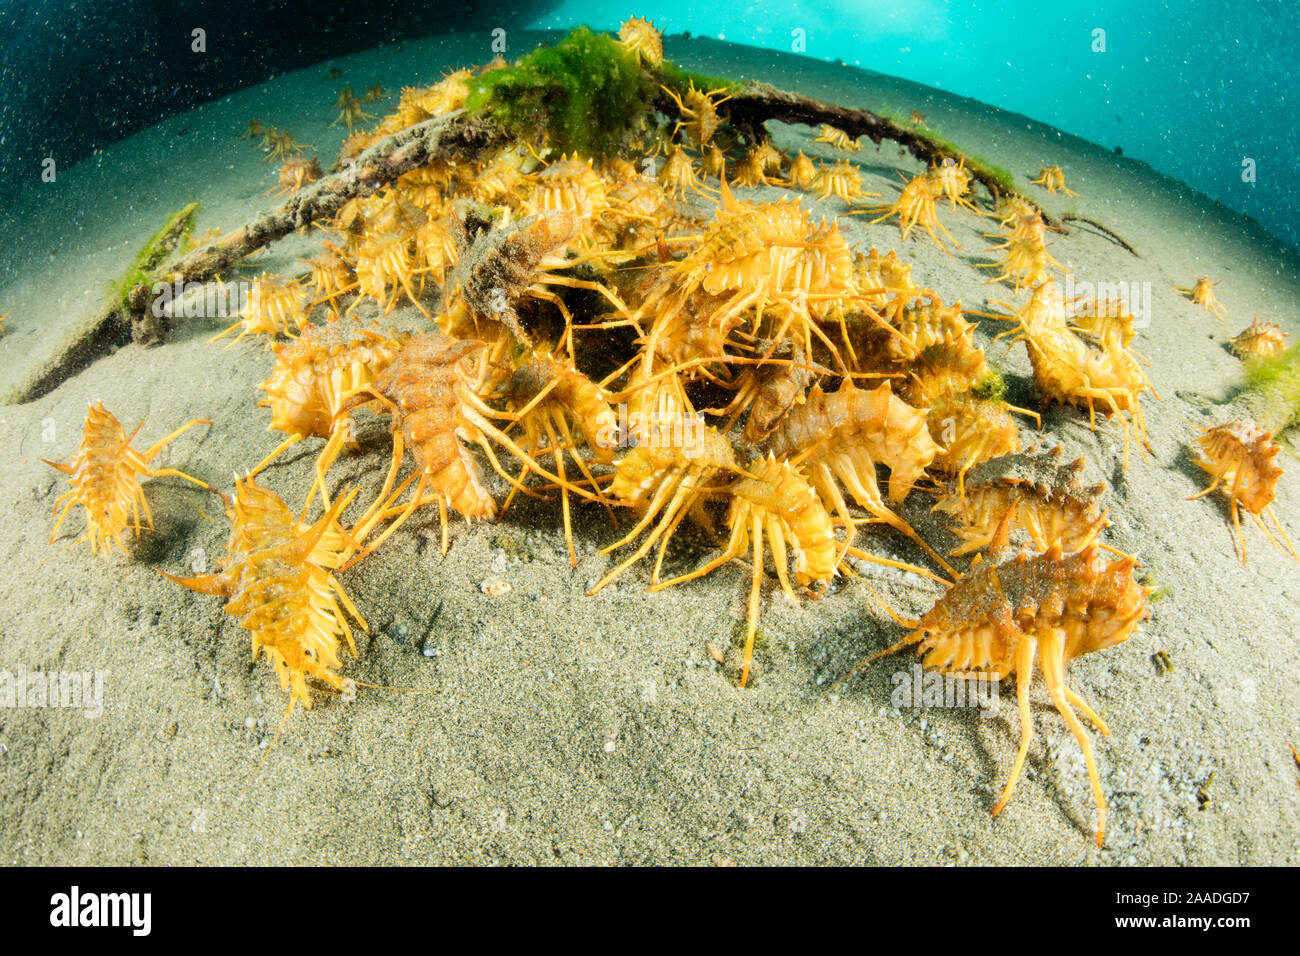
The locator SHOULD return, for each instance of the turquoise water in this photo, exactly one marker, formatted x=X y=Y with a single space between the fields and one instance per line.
x=1194 y=89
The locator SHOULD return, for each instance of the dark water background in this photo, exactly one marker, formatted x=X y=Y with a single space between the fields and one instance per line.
x=77 y=75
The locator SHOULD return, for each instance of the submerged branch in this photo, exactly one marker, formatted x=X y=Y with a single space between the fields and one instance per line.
x=128 y=315
x=456 y=136
x=1071 y=217
x=754 y=103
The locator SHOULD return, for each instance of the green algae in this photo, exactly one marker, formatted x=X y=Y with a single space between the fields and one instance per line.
x=588 y=94
x=153 y=254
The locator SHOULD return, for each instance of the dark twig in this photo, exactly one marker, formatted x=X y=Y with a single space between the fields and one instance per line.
x=1071 y=217
x=455 y=136
x=755 y=103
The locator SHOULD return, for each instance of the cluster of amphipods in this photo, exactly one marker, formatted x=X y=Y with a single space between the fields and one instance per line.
x=780 y=380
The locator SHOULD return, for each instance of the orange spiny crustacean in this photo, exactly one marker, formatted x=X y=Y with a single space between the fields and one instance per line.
x=839 y=139
x=842 y=180
x=277 y=577
x=1008 y=611
x=315 y=373
x=773 y=501
x=1240 y=456
x=1202 y=294
x=770 y=390
x=699 y=112
x=1069 y=372
x=1048 y=500
x=105 y=477
x=273 y=304
x=641 y=37
x=915 y=207
x=429 y=392
x=761 y=260
x=1052 y=178
x=1259 y=340
x=1026 y=257
x=952 y=180
x=505 y=265
x=666 y=477
x=951 y=380
x=840 y=437
x=297 y=172
x=552 y=401
x=677 y=174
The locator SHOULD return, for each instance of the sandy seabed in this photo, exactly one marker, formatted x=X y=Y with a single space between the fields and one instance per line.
x=558 y=728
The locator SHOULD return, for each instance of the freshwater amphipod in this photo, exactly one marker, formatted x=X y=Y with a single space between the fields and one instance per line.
x=770 y=159
x=970 y=430
x=842 y=180
x=761 y=260
x=567 y=185
x=915 y=206
x=928 y=323
x=429 y=393
x=677 y=174
x=276 y=577
x=552 y=401
x=666 y=480
x=331 y=275
x=641 y=37
x=699 y=111
x=385 y=261
x=1003 y=614
x=802 y=172
x=773 y=501
x=952 y=180
x=1067 y=371
x=1202 y=294
x=349 y=107
x=280 y=144
x=505 y=265
x=425 y=391
x=105 y=477
x=1239 y=455
x=1046 y=499
x=1026 y=257
x=884 y=282
x=295 y=173
x=1052 y=178
x=419 y=103
x=750 y=172
x=315 y=371
x=1259 y=341
x=312 y=377
x=841 y=438
x=1103 y=319
x=839 y=139
x=274 y=304
x=501 y=181
x=770 y=390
